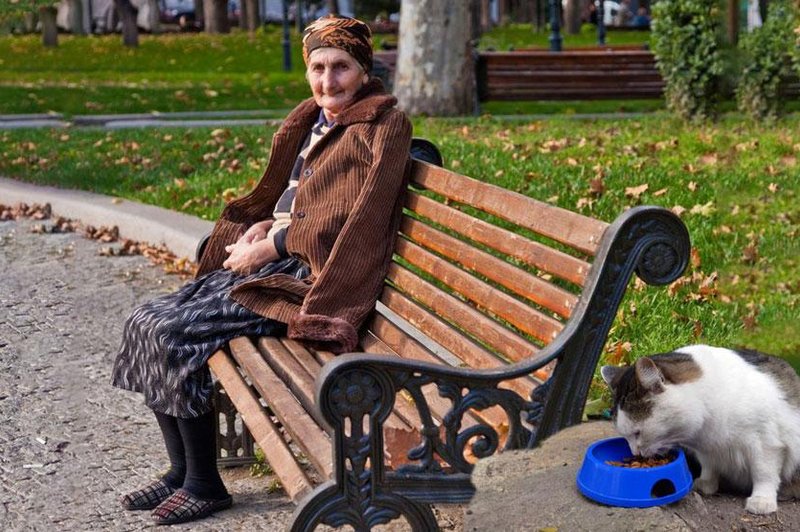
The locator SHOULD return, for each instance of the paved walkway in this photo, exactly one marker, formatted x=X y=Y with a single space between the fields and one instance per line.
x=70 y=444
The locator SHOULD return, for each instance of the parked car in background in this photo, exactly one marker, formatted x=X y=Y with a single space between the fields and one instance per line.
x=173 y=11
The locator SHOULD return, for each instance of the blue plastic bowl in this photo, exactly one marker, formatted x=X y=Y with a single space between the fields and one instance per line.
x=631 y=487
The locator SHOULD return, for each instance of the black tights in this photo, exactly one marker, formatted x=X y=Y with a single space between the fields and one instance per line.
x=191 y=446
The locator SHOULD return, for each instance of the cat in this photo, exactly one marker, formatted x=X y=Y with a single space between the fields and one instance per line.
x=736 y=411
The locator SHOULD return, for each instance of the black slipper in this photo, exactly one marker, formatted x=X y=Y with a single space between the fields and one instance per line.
x=148 y=497
x=182 y=507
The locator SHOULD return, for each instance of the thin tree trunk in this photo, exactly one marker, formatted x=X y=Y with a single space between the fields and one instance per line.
x=47 y=16
x=253 y=15
x=127 y=14
x=432 y=79
x=244 y=14
x=216 y=13
x=733 y=21
x=199 y=12
x=333 y=6
x=573 y=17
x=75 y=20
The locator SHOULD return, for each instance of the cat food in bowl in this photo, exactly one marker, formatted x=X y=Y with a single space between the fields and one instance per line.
x=611 y=475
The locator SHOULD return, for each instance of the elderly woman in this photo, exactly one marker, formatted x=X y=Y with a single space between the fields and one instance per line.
x=304 y=254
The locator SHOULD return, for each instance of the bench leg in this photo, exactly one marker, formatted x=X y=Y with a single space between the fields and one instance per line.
x=330 y=506
x=356 y=404
x=232 y=435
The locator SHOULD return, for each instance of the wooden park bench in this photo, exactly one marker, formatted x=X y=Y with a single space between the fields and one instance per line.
x=486 y=337
x=591 y=74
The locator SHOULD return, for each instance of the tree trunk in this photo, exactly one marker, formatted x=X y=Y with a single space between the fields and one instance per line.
x=253 y=19
x=333 y=6
x=47 y=16
x=733 y=21
x=127 y=14
x=244 y=14
x=572 y=17
x=199 y=13
x=432 y=79
x=216 y=13
x=75 y=20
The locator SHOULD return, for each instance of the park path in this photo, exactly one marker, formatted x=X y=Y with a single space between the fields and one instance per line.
x=70 y=444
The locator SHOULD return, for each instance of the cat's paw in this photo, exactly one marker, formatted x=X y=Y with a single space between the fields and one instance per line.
x=758 y=504
x=706 y=486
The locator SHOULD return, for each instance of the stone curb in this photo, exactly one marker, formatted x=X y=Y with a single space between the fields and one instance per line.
x=137 y=221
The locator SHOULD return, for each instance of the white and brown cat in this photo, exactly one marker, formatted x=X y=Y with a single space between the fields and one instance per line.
x=736 y=411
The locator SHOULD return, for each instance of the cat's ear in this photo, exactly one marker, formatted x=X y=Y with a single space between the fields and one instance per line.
x=611 y=375
x=649 y=376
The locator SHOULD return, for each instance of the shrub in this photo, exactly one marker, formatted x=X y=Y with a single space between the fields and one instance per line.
x=794 y=51
x=765 y=52
x=684 y=41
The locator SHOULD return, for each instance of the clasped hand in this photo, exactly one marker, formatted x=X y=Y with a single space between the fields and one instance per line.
x=252 y=250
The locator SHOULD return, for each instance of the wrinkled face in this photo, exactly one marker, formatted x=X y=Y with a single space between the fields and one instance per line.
x=335 y=77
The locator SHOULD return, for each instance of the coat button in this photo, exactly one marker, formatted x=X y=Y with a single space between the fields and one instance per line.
x=308 y=172
x=300 y=214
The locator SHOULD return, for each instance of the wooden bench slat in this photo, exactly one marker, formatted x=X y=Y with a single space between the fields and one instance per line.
x=472 y=355
x=299 y=381
x=532 y=253
x=485 y=296
x=499 y=271
x=509 y=345
x=305 y=432
x=569 y=228
x=266 y=434
x=387 y=338
x=399 y=419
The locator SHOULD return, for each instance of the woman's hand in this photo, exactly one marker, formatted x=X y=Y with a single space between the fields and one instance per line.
x=257 y=231
x=244 y=259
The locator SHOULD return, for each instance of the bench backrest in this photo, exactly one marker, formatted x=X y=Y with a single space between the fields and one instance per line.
x=595 y=74
x=482 y=276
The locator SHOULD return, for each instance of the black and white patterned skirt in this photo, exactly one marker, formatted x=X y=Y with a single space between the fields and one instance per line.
x=167 y=341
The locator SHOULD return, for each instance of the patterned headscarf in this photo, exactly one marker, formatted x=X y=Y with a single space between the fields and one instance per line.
x=348 y=34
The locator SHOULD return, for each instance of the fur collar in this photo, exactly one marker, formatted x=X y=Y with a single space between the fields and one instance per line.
x=370 y=102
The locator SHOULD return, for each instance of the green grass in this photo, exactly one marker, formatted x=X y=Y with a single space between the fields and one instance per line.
x=520 y=36
x=736 y=182
x=180 y=72
x=171 y=72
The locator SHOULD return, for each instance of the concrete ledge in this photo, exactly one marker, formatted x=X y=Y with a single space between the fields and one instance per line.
x=179 y=232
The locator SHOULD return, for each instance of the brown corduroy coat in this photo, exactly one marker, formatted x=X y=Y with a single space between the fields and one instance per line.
x=346 y=215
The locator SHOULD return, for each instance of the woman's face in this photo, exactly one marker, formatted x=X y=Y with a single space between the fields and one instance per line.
x=335 y=77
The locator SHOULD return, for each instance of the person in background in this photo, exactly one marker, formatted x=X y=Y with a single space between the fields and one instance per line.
x=304 y=254
x=642 y=19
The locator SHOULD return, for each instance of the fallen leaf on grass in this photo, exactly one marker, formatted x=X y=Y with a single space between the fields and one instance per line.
x=750 y=253
x=789 y=160
x=704 y=210
x=692 y=186
x=617 y=352
x=746 y=146
x=660 y=192
x=597 y=186
x=636 y=192
x=709 y=159
x=666 y=144
x=773 y=187
x=695 y=258
x=678 y=210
